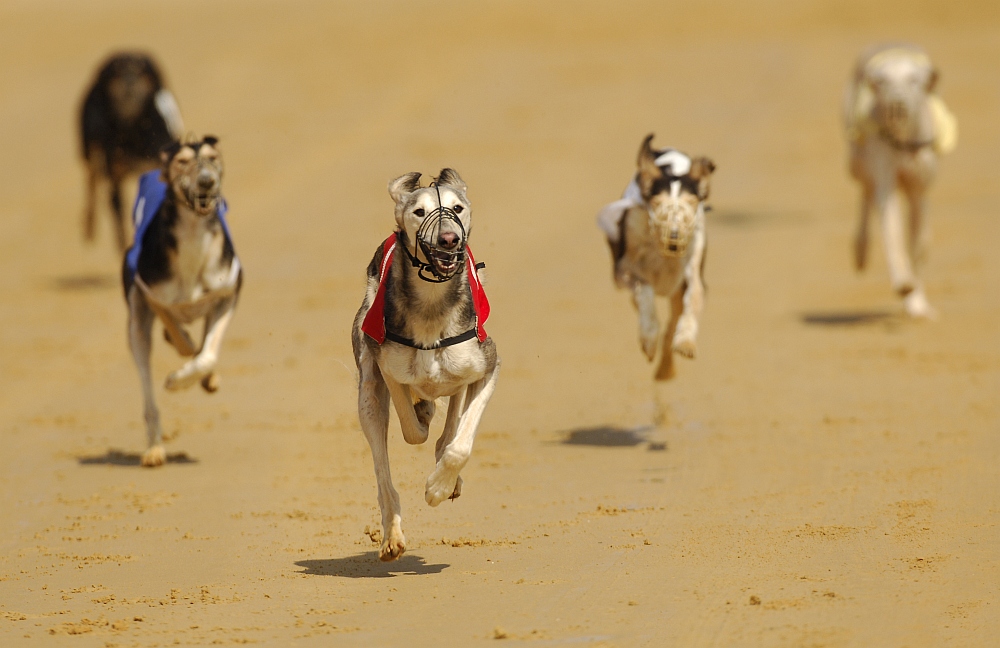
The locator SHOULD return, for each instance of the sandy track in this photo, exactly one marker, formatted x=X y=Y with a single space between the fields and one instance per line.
x=822 y=457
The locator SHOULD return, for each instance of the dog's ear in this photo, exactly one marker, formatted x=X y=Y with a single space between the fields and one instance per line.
x=648 y=171
x=167 y=153
x=932 y=80
x=451 y=178
x=701 y=170
x=404 y=185
x=211 y=140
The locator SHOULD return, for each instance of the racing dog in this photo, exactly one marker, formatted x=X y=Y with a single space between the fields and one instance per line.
x=181 y=268
x=126 y=118
x=419 y=336
x=656 y=232
x=897 y=126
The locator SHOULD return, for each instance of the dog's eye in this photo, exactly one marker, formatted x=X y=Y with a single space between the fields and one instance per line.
x=458 y=209
x=419 y=212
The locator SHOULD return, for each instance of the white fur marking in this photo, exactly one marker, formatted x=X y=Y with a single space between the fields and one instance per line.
x=679 y=163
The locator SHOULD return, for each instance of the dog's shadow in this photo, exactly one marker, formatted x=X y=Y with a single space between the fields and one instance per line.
x=367 y=565
x=850 y=318
x=128 y=459
x=85 y=282
x=608 y=436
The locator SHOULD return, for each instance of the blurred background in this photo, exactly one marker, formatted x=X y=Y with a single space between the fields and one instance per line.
x=809 y=386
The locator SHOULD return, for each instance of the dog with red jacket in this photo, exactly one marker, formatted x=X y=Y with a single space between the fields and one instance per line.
x=420 y=336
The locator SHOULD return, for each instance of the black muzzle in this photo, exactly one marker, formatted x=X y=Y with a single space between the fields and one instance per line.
x=443 y=262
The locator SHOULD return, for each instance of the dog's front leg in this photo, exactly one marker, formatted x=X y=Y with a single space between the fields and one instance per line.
x=694 y=300
x=414 y=432
x=140 y=329
x=666 y=369
x=202 y=366
x=442 y=483
x=645 y=302
x=373 y=412
x=456 y=405
x=894 y=239
x=118 y=212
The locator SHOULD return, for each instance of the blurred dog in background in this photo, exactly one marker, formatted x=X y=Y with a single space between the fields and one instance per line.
x=897 y=126
x=657 y=237
x=126 y=118
x=181 y=268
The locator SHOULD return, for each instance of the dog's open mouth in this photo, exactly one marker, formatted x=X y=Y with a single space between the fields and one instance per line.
x=444 y=262
x=204 y=202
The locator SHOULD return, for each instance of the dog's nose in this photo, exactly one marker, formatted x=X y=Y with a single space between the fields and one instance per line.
x=447 y=240
x=206 y=180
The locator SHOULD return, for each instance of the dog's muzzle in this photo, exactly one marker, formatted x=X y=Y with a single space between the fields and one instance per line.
x=441 y=244
x=674 y=223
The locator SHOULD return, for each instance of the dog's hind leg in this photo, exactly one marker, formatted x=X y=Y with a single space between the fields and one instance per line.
x=140 y=329
x=202 y=366
x=861 y=236
x=414 y=430
x=443 y=482
x=645 y=302
x=373 y=412
x=118 y=213
x=89 y=210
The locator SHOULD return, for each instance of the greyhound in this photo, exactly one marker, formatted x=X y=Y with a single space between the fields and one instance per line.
x=897 y=126
x=419 y=336
x=182 y=267
x=656 y=233
x=127 y=116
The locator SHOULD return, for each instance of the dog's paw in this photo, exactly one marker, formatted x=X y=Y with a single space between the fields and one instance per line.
x=685 y=347
x=442 y=485
x=211 y=383
x=458 y=489
x=154 y=456
x=392 y=547
x=192 y=372
x=918 y=307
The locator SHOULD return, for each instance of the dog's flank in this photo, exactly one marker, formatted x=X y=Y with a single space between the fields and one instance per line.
x=126 y=117
x=897 y=126
x=424 y=311
x=182 y=268
x=656 y=233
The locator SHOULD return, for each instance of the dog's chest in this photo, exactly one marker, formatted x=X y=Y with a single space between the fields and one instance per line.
x=644 y=257
x=197 y=268
x=436 y=373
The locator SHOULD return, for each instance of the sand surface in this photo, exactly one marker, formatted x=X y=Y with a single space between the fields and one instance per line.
x=825 y=473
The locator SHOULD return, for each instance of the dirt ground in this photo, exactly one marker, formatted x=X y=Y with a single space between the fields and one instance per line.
x=823 y=474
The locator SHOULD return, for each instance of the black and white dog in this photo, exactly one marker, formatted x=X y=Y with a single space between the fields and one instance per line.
x=126 y=118
x=656 y=232
x=181 y=268
x=419 y=336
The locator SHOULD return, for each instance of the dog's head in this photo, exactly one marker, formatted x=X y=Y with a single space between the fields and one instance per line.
x=435 y=220
x=899 y=80
x=673 y=186
x=130 y=80
x=193 y=171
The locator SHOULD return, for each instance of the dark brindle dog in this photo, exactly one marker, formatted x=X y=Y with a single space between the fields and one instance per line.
x=182 y=267
x=126 y=118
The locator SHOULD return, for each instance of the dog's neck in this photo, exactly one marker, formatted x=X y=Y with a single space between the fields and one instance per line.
x=425 y=311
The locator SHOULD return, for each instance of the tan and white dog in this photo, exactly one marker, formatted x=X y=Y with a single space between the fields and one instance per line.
x=181 y=268
x=897 y=126
x=419 y=336
x=656 y=232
